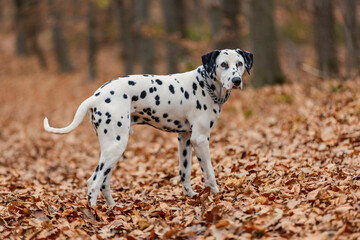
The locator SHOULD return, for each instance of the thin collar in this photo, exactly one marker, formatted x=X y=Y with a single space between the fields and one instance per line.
x=211 y=92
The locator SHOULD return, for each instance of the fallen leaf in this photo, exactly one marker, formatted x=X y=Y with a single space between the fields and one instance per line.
x=222 y=223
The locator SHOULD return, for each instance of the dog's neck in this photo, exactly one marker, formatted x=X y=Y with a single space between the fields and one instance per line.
x=214 y=88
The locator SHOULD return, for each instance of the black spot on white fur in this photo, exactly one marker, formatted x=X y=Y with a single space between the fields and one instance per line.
x=157 y=100
x=186 y=95
x=134 y=98
x=171 y=88
x=198 y=105
x=107 y=171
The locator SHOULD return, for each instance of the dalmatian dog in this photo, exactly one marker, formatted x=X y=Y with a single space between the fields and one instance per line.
x=188 y=104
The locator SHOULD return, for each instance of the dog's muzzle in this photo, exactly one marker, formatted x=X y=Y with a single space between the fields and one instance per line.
x=237 y=82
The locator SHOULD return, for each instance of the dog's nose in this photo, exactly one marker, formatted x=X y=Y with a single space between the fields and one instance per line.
x=236 y=81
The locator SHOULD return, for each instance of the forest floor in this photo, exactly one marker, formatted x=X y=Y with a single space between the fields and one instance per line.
x=286 y=158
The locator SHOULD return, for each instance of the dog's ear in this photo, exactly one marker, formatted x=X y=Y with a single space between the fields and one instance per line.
x=248 y=57
x=209 y=61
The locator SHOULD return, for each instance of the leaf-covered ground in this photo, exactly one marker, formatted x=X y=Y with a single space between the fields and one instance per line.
x=286 y=160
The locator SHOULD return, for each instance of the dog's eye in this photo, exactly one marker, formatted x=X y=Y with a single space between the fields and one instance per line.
x=239 y=64
x=224 y=65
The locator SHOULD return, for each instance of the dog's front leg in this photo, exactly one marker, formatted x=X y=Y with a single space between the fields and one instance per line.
x=185 y=154
x=200 y=143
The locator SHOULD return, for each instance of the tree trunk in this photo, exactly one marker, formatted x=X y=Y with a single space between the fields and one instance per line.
x=231 y=28
x=146 y=43
x=92 y=43
x=28 y=23
x=58 y=38
x=19 y=19
x=215 y=17
x=225 y=29
x=348 y=9
x=325 y=37
x=264 y=44
x=33 y=29
x=181 y=17
x=173 y=34
x=198 y=11
x=126 y=36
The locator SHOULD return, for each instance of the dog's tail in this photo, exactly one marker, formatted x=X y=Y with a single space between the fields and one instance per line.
x=79 y=116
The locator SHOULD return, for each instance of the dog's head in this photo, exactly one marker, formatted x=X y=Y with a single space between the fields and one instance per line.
x=228 y=66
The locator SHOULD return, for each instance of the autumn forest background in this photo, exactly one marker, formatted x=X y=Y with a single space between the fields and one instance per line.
x=285 y=149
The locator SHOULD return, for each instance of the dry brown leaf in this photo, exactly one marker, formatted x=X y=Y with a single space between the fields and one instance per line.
x=222 y=223
x=313 y=195
x=292 y=203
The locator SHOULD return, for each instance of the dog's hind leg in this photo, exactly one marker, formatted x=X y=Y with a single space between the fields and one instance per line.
x=101 y=178
x=113 y=142
x=105 y=190
x=185 y=153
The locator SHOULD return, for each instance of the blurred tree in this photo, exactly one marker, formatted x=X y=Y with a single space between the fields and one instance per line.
x=28 y=20
x=175 y=26
x=181 y=16
x=215 y=17
x=143 y=36
x=225 y=29
x=34 y=29
x=126 y=35
x=197 y=20
x=198 y=11
x=231 y=35
x=264 y=43
x=58 y=38
x=20 y=20
x=348 y=9
x=325 y=45
x=92 y=41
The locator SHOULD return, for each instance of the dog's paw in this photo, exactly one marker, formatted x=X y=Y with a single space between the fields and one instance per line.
x=189 y=193
x=110 y=202
x=193 y=194
x=214 y=190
